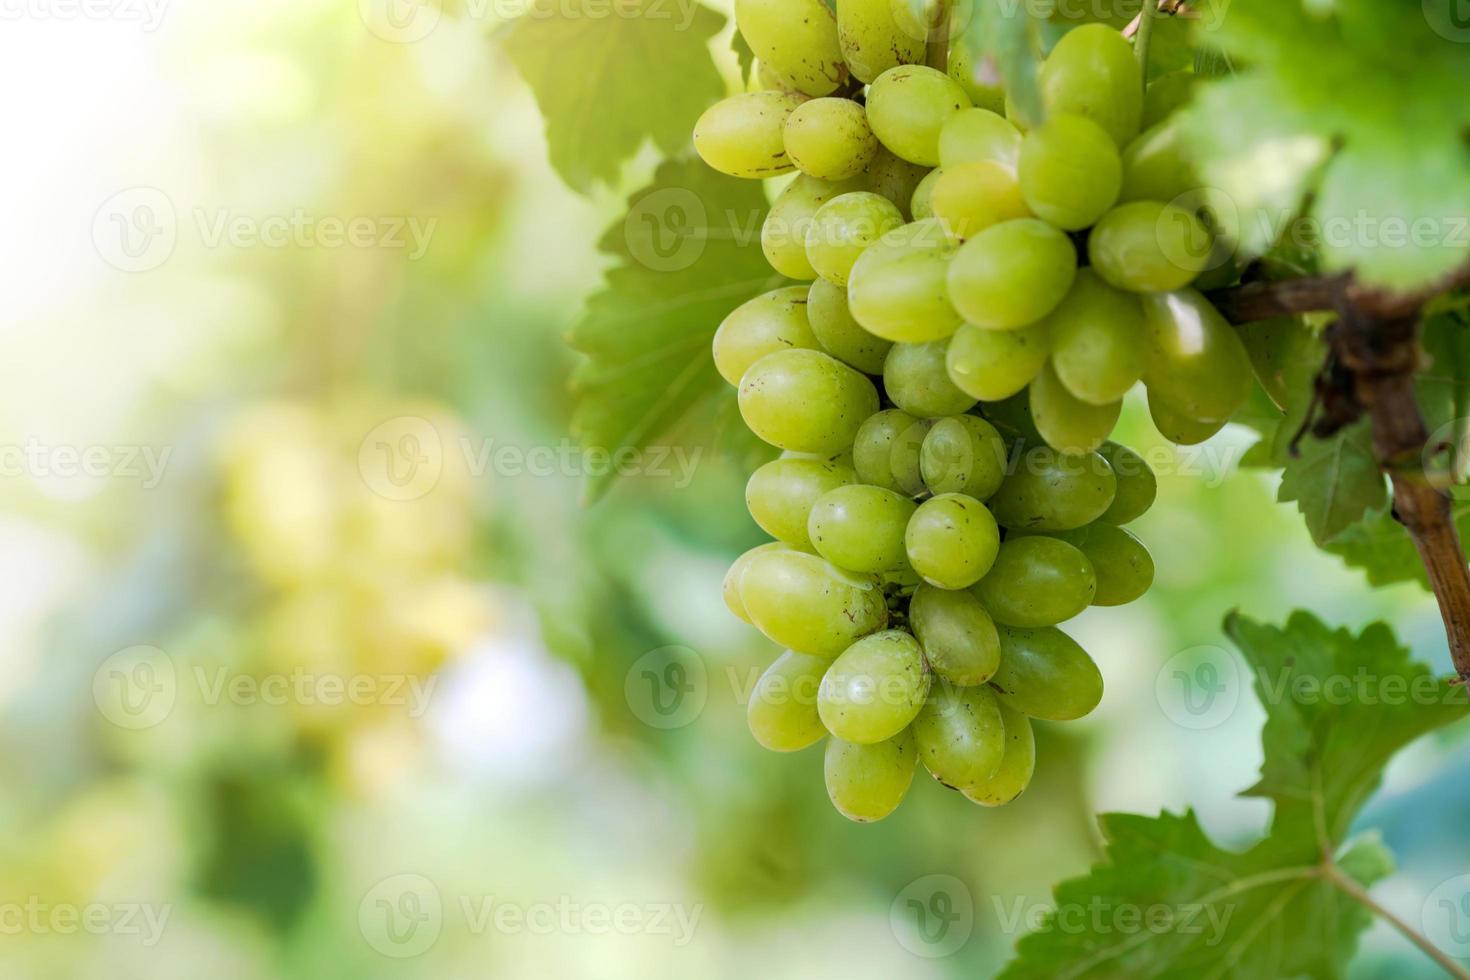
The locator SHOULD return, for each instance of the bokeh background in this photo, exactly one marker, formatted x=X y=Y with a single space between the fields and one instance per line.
x=315 y=664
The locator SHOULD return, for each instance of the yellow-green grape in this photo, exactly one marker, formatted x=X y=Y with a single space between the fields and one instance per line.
x=922 y=204
x=1097 y=340
x=1037 y=581
x=952 y=541
x=898 y=290
x=830 y=139
x=1092 y=72
x=1137 y=485
x=1197 y=363
x=1049 y=491
x=1066 y=422
x=984 y=93
x=861 y=527
x=898 y=180
x=1012 y=274
x=963 y=454
x=886 y=451
x=1166 y=94
x=782 y=712
x=1156 y=165
x=960 y=735
x=805 y=401
x=1016 y=767
x=907 y=107
x=839 y=334
x=1124 y=568
x=731 y=585
x=873 y=40
x=1070 y=171
x=807 y=604
x=771 y=322
x=742 y=136
x=916 y=379
x=970 y=197
x=1012 y=418
x=979 y=136
x=783 y=236
x=868 y=782
x=795 y=39
x=1148 y=247
x=781 y=493
x=844 y=227
x=958 y=636
x=1177 y=427
x=1045 y=674
x=993 y=365
x=874 y=689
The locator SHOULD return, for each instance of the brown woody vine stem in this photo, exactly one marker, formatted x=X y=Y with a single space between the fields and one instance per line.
x=936 y=55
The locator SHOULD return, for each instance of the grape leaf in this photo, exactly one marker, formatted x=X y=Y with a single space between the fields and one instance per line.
x=1334 y=481
x=1383 y=550
x=605 y=84
x=1010 y=36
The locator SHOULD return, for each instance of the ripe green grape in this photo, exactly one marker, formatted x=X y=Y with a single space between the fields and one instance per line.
x=915 y=377
x=805 y=401
x=1070 y=171
x=839 y=334
x=907 y=107
x=897 y=289
x=960 y=735
x=1012 y=274
x=895 y=179
x=1066 y=422
x=874 y=689
x=830 y=139
x=886 y=451
x=1125 y=569
x=921 y=206
x=1016 y=766
x=984 y=95
x=1166 y=94
x=1037 y=581
x=782 y=712
x=1177 y=427
x=958 y=636
x=1156 y=165
x=952 y=541
x=868 y=782
x=1092 y=72
x=783 y=236
x=963 y=454
x=1197 y=363
x=979 y=136
x=1045 y=674
x=1049 y=491
x=781 y=493
x=1097 y=340
x=844 y=227
x=771 y=322
x=1148 y=247
x=742 y=136
x=1137 y=485
x=970 y=197
x=872 y=39
x=731 y=585
x=861 y=527
x=993 y=365
x=807 y=604
x=795 y=39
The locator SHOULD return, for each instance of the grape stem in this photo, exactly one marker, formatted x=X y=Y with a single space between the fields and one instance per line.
x=1146 y=18
x=936 y=54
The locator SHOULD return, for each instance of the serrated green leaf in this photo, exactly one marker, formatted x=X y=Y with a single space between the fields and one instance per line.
x=1334 y=481
x=1383 y=550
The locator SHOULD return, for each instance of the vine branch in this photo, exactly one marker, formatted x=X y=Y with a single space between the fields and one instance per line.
x=936 y=54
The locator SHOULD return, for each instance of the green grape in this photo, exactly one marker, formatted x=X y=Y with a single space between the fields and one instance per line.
x=992 y=365
x=1070 y=171
x=1012 y=274
x=916 y=379
x=958 y=636
x=873 y=41
x=839 y=334
x=781 y=493
x=802 y=602
x=874 y=689
x=952 y=541
x=805 y=401
x=742 y=136
x=1137 y=485
x=1016 y=767
x=922 y=204
x=1066 y=422
x=898 y=180
x=1148 y=247
x=983 y=95
x=1045 y=674
x=771 y=322
x=830 y=139
x=1092 y=72
x=1097 y=336
x=886 y=451
x=963 y=454
x=1012 y=419
x=868 y=782
x=979 y=136
x=1177 y=427
x=971 y=197
x=1196 y=361
x=1037 y=581
x=1049 y=491
x=960 y=735
x=731 y=586
x=782 y=712
x=783 y=236
x=1156 y=165
x=844 y=227
x=897 y=289
x=1278 y=348
x=1125 y=569
x=907 y=107
x=1166 y=94
x=796 y=40
x=861 y=527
